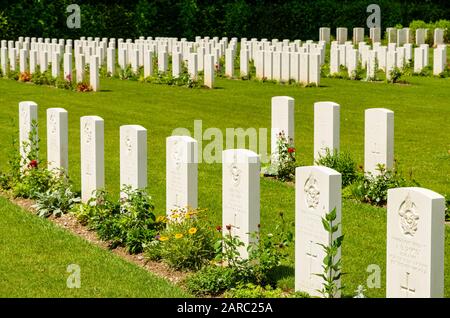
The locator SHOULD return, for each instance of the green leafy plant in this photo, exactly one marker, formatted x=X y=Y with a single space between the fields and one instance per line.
x=187 y=242
x=373 y=188
x=358 y=73
x=129 y=222
x=212 y=280
x=57 y=200
x=332 y=268
x=395 y=75
x=341 y=162
x=250 y=290
x=284 y=161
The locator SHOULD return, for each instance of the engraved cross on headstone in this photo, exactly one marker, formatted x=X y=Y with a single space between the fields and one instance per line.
x=312 y=256
x=375 y=149
x=406 y=288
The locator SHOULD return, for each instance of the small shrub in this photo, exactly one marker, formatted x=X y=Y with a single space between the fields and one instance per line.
x=373 y=189
x=358 y=73
x=83 y=87
x=57 y=200
x=342 y=162
x=129 y=222
x=212 y=280
x=250 y=290
x=395 y=75
x=25 y=77
x=187 y=242
x=283 y=162
x=14 y=75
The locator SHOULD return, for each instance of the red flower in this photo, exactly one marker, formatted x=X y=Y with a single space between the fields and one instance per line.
x=229 y=227
x=33 y=164
x=291 y=150
x=218 y=228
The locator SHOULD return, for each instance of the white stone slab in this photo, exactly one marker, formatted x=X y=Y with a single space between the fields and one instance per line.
x=92 y=156
x=326 y=128
x=181 y=173
x=241 y=195
x=415 y=244
x=378 y=139
x=57 y=140
x=317 y=192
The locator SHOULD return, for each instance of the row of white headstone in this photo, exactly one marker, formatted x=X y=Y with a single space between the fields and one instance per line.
x=378 y=133
x=385 y=58
x=415 y=216
x=202 y=55
x=394 y=35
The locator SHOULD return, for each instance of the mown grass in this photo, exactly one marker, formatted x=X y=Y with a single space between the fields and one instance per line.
x=35 y=254
x=422 y=144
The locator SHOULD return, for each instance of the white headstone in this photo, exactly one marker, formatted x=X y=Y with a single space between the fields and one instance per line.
x=326 y=128
x=133 y=156
x=92 y=156
x=240 y=195
x=28 y=115
x=391 y=63
x=268 y=65
x=176 y=64
x=304 y=68
x=378 y=139
x=229 y=62
x=181 y=173
x=111 y=60
x=317 y=193
x=148 y=63
x=79 y=67
x=33 y=61
x=375 y=35
x=285 y=66
x=259 y=64
x=209 y=71
x=57 y=139
x=439 y=60
x=420 y=36
x=4 y=60
x=358 y=35
x=418 y=59
x=55 y=64
x=334 y=60
x=23 y=65
x=276 y=66
x=93 y=74
x=163 y=62
x=415 y=244
x=341 y=35
x=243 y=62
x=324 y=34
x=68 y=66
x=193 y=66
x=314 y=68
x=282 y=121
x=438 y=37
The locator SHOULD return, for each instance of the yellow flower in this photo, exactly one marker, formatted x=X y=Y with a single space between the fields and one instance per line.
x=163 y=238
x=192 y=230
x=178 y=235
x=161 y=219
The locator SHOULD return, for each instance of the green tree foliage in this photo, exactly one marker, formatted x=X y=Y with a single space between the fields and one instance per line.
x=293 y=19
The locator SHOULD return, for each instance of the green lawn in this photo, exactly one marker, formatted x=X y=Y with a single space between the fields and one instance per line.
x=35 y=253
x=422 y=144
